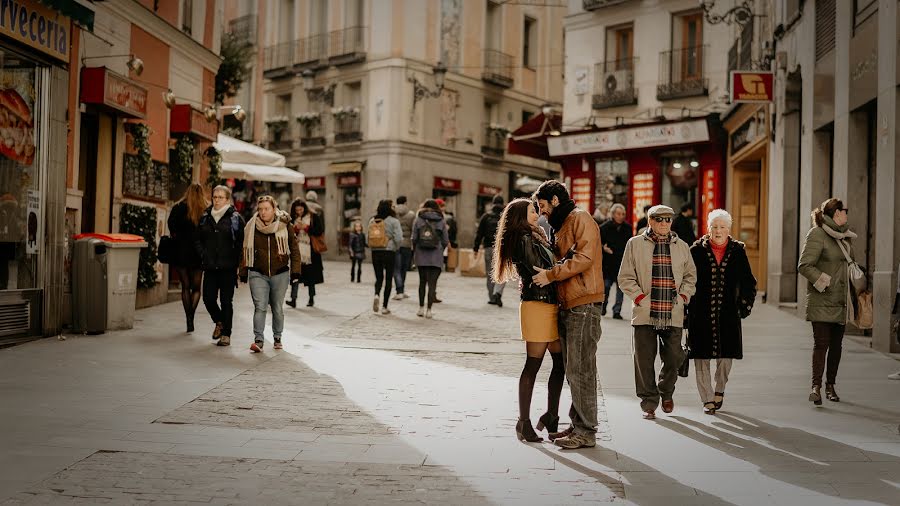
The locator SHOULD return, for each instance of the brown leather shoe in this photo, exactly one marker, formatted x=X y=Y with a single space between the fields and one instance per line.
x=552 y=436
x=650 y=415
x=668 y=406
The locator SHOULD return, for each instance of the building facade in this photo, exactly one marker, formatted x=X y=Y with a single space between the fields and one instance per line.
x=355 y=97
x=646 y=83
x=835 y=134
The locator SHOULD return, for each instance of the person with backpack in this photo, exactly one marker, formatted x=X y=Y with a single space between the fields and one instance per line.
x=487 y=230
x=429 y=238
x=220 y=244
x=383 y=237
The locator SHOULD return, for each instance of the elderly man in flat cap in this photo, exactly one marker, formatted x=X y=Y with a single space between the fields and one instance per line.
x=658 y=274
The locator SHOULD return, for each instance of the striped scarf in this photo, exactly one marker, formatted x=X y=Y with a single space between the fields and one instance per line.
x=662 y=286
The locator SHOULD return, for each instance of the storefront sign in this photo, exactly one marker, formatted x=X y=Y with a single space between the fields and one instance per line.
x=315 y=183
x=488 y=190
x=642 y=194
x=709 y=189
x=443 y=183
x=667 y=134
x=103 y=87
x=33 y=241
x=581 y=192
x=188 y=120
x=348 y=180
x=752 y=86
x=750 y=131
x=36 y=26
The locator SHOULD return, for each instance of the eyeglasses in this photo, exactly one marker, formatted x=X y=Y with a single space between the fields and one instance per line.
x=220 y=197
x=660 y=219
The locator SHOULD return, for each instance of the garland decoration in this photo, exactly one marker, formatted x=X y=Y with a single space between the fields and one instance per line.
x=214 y=158
x=140 y=141
x=183 y=167
x=141 y=220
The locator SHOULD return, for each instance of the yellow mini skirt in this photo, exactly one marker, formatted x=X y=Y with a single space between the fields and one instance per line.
x=537 y=320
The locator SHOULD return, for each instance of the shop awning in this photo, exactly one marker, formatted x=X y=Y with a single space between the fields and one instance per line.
x=242 y=160
x=261 y=173
x=530 y=139
x=80 y=11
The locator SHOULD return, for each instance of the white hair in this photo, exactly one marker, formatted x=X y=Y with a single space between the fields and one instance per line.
x=718 y=214
x=615 y=207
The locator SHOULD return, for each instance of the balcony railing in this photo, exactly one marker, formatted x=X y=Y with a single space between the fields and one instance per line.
x=245 y=27
x=278 y=59
x=614 y=83
x=347 y=125
x=312 y=135
x=310 y=52
x=592 y=5
x=493 y=142
x=279 y=135
x=347 y=45
x=498 y=68
x=682 y=73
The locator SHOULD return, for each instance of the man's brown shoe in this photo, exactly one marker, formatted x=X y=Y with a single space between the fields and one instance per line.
x=552 y=436
x=650 y=415
x=668 y=406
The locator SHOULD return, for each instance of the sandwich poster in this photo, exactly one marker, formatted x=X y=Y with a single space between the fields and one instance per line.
x=17 y=116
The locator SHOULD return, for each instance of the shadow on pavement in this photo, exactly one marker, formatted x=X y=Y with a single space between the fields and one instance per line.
x=797 y=457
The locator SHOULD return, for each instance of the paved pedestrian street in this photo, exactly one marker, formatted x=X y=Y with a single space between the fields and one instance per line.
x=361 y=408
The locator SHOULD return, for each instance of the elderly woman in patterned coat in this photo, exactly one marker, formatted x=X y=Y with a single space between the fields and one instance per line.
x=726 y=290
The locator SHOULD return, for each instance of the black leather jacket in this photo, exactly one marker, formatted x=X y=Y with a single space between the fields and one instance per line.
x=530 y=253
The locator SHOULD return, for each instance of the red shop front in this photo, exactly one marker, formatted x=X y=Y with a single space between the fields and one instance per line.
x=669 y=162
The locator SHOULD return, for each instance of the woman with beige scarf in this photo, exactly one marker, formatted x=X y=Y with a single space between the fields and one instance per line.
x=271 y=261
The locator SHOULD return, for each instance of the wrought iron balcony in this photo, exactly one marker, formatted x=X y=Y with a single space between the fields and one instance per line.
x=311 y=134
x=347 y=45
x=614 y=84
x=498 y=68
x=682 y=73
x=592 y=5
x=311 y=52
x=278 y=59
x=347 y=125
x=279 y=135
x=493 y=142
x=244 y=27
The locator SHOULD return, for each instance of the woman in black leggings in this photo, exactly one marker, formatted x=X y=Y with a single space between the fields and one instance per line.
x=183 y=221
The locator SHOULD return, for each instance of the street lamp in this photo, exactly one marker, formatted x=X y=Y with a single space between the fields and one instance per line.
x=313 y=94
x=134 y=63
x=237 y=111
x=740 y=14
x=420 y=91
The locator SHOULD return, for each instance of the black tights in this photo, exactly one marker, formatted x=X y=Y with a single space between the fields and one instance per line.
x=554 y=384
x=191 y=285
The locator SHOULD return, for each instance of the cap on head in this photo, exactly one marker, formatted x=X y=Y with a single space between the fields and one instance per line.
x=660 y=210
x=312 y=196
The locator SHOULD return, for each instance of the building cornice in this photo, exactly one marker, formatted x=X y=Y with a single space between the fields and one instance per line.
x=156 y=26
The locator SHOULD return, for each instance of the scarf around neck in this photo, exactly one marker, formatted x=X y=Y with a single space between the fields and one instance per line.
x=559 y=214
x=277 y=227
x=662 y=285
x=217 y=215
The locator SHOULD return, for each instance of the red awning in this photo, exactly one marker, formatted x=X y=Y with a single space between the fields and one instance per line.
x=530 y=139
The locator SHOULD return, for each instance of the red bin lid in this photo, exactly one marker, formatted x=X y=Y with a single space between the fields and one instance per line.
x=120 y=238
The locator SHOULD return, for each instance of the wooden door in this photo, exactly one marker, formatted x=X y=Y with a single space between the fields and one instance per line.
x=624 y=48
x=748 y=214
x=692 y=46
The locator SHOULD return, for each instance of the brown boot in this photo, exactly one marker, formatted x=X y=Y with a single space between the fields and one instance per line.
x=815 y=396
x=830 y=393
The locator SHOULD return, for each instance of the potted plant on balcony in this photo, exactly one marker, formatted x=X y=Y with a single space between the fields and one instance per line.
x=277 y=125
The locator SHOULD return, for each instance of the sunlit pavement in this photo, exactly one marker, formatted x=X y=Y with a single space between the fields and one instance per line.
x=362 y=408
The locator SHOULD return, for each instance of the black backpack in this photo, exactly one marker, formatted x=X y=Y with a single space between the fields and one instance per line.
x=428 y=237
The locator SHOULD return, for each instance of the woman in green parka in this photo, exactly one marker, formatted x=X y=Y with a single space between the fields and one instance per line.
x=828 y=305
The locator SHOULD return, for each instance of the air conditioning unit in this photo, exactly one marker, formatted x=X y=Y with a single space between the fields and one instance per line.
x=616 y=82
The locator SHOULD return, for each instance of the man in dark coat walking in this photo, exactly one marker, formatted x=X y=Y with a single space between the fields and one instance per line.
x=487 y=229
x=614 y=235
x=684 y=226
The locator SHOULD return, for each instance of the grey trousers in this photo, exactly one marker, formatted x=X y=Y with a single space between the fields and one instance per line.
x=650 y=389
x=492 y=288
x=702 y=368
x=579 y=332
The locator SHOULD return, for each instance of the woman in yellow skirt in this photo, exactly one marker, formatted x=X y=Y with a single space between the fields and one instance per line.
x=520 y=246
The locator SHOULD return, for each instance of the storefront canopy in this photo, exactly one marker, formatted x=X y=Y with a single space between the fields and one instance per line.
x=242 y=160
x=81 y=11
x=530 y=139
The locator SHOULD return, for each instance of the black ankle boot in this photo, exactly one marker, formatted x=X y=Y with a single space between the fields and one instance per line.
x=525 y=432
x=548 y=421
x=190 y=323
x=291 y=302
x=311 y=303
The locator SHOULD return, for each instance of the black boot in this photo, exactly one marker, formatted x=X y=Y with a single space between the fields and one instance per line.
x=291 y=302
x=525 y=432
x=311 y=302
x=190 y=323
x=548 y=421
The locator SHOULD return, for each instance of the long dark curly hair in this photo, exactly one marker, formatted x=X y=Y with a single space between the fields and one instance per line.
x=512 y=226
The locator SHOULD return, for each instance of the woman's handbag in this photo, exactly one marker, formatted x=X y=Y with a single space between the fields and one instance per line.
x=318 y=243
x=685 y=367
x=865 y=311
x=165 y=253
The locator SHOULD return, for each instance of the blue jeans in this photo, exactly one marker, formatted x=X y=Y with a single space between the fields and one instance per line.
x=401 y=266
x=268 y=291
x=617 y=307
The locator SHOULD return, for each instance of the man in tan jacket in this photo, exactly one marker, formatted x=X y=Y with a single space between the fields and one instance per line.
x=579 y=283
x=659 y=275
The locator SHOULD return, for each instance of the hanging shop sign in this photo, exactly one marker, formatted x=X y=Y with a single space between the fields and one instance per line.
x=349 y=180
x=487 y=190
x=621 y=139
x=315 y=183
x=36 y=26
x=752 y=86
x=103 y=87
x=188 y=120
x=443 y=183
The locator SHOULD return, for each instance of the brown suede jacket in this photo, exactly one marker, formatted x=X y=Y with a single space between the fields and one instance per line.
x=266 y=259
x=579 y=273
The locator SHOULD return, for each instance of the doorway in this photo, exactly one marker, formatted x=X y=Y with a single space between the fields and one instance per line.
x=87 y=174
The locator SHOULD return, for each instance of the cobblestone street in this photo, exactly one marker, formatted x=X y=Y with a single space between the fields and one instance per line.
x=361 y=408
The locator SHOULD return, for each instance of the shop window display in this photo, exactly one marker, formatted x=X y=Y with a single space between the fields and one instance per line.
x=20 y=191
x=681 y=172
x=611 y=184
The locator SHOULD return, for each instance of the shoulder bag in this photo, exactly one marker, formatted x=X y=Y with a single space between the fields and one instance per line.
x=165 y=253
